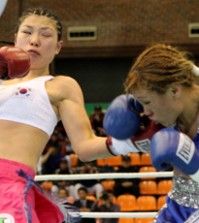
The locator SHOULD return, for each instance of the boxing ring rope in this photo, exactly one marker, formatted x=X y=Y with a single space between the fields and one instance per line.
x=118 y=214
x=108 y=176
x=103 y=176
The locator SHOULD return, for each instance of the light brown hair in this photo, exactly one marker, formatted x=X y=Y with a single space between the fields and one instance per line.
x=159 y=66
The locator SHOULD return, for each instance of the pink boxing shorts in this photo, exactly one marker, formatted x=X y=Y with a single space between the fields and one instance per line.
x=21 y=199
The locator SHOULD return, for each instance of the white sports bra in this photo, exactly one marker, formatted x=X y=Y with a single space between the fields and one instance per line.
x=28 y=103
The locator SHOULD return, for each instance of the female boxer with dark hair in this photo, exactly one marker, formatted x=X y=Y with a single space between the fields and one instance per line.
x=32 y=101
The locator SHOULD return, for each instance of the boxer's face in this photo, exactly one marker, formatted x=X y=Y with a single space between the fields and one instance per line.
x=162 y=108
x=38 y=36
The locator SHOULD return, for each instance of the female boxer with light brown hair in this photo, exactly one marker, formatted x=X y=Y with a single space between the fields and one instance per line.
x=164 y=81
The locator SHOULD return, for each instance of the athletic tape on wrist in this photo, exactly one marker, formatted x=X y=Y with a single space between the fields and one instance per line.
x=109 y=144
x=120 y=147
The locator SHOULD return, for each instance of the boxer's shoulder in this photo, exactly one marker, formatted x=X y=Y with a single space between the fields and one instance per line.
x=64 y=87
x=63 y=81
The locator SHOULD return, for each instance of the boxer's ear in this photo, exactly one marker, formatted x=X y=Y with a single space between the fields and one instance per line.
x=59 y=46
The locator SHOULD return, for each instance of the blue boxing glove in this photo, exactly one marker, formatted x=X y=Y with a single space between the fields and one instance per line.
x=172 y=148
x=122 y=119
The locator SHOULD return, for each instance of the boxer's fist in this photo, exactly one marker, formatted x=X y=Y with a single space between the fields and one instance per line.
x=142 y=139
x=122 y=118
x=14 y=62
x=139 y=142
x=172 y=148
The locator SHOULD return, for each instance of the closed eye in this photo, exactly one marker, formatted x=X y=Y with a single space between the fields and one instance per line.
x=145 y=102
x=46 y=35
x=26 y=32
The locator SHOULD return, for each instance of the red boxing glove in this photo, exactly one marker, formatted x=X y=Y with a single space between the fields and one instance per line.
x=140 y=142
x=14 y=62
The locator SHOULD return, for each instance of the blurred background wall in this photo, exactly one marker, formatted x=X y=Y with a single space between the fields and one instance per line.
x=103 y=37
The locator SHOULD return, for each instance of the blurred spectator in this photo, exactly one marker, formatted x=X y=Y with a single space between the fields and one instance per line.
x=48 y=186
x=54 y=139
x=96 y=119
x=126 y=186
x=107 y=205
x=61 y=139
x=93 y=186
x=63 y=167
x=84 y=204
x=64 y=197
x=66 y=147
x=51 y=159
x=59 y=129
x=63 y=184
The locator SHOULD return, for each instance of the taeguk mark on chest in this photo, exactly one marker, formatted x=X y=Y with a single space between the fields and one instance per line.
x=23 y=91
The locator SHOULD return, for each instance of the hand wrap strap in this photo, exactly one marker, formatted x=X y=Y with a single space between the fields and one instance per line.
x=120 y=147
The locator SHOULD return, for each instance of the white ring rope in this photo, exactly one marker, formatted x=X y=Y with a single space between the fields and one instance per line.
x=103 y=176
x=118 y=214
